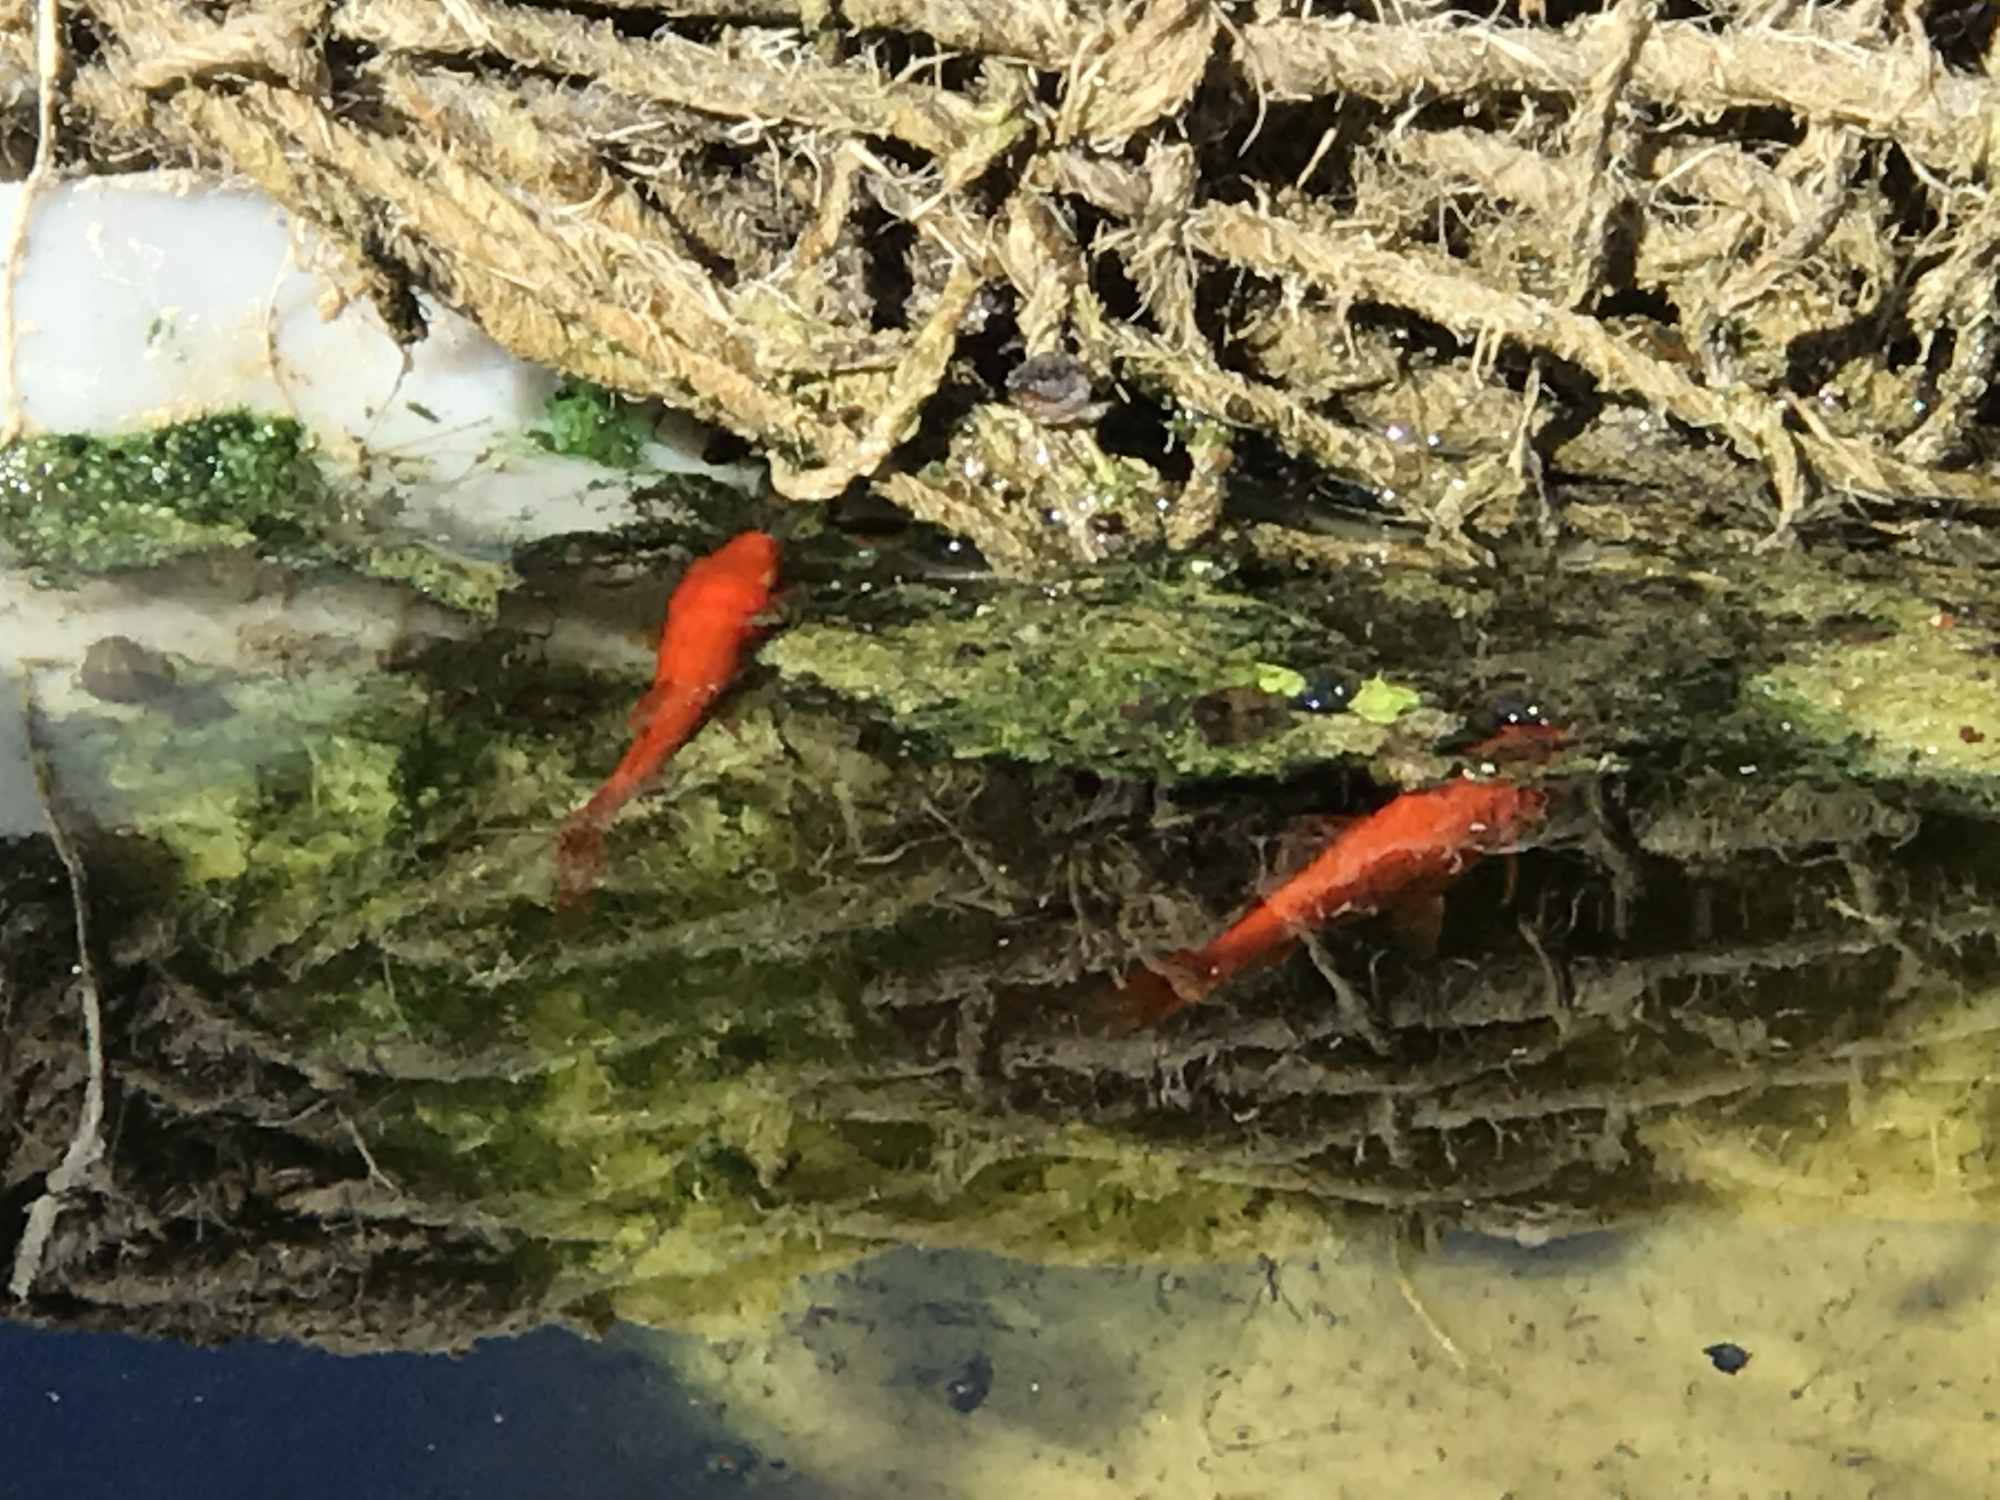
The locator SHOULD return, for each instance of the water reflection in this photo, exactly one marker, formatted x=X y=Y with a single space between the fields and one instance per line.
x=1393 y=1200
x=1549 y=1371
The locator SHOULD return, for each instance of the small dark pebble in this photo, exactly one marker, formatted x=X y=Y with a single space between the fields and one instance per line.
x=118 y=669
x=1970 y=735
x=967 y=1390
x=1728 y=1358
x=1053 y=388
x=729 y=1463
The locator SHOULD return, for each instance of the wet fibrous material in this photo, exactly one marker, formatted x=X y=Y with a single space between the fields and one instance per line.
x=1421 y=258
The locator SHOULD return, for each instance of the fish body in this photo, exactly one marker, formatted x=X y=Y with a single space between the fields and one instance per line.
x=1412 y=847
x=711 y=616
x=1520 y=743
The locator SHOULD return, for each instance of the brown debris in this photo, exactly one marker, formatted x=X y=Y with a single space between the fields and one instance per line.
x=1802 y=68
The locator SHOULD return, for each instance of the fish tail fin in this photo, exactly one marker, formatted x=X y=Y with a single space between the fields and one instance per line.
x=1149 y=995
x=579 y=860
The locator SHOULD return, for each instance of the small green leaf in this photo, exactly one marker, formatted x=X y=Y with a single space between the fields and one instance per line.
x=1280 y=681
x=1380 y=701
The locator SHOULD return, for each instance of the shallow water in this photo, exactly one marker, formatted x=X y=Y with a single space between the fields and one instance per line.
x=1574 y=1370
x=546 y=1414
x=811 y=1088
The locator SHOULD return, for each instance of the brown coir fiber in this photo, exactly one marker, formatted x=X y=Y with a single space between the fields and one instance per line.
x=1438 y=265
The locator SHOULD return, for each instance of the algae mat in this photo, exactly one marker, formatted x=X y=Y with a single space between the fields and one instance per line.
x=835 y=993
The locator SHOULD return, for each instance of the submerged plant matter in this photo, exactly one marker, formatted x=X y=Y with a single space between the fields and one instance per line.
x=587 y=421
x=1312 y=384
x=238 y=482
x=835 y=990
x=72 y=503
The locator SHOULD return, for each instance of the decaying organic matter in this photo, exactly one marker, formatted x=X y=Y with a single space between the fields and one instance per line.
x=1423 y=263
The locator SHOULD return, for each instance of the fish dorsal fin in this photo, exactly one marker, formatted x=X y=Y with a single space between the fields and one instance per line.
x=1300 y=841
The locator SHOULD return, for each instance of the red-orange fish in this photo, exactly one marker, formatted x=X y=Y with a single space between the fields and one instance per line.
x=711 y=616
x=1412 y=847
x=1519 y=742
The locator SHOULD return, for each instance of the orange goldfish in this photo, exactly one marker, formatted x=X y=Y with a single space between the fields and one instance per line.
x=1520 y=742
x=711 y=615
x=1412 y=847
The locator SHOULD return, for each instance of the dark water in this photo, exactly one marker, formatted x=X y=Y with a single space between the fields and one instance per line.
x=99 y=1415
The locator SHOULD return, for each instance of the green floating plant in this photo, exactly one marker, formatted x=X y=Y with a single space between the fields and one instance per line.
x=1381 y=701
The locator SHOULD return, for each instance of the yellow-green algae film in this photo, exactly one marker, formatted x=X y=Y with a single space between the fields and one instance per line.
x=1921 y=700
x=77 y=504
x=698 y=1086
x=1098 y=673
x=364 y=863
x=715 y=1075
x=369 y=881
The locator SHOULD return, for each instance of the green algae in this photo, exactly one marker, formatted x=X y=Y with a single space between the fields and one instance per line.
x=724 y=1071
x=584 y=420
x=1279 y=681
x=1888 y=685
x=1103 y=674
x=73 y=503
x=1919 y=702
x=462 y=583
x=1379 y=701
x=639 y=1086
x=286 y=803
x=77 y=505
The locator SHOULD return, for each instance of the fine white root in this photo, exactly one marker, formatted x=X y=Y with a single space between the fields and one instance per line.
x=86 y=1145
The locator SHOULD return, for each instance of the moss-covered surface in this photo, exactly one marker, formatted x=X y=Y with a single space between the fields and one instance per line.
x=838 y=987
x=1919 y=702
x=1107 y=674
x=583 y=420
x=74 y=505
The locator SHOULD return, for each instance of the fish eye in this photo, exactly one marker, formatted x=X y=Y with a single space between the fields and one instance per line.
x=1323 y=695
x=1518 y=708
